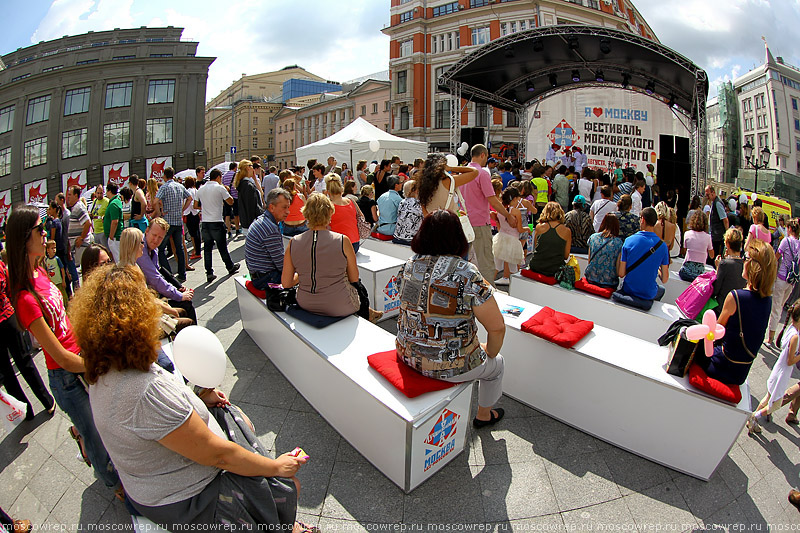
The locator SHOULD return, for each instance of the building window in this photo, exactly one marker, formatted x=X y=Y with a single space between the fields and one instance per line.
x=255 y=131
x=51 y=69
x=404 y=118
x=116 y=135
x=438 y=73
x=503 y=29
x=158 y=131
x=255 y=120
x=117 y=58
x=386 y=129
x=5 y=161
x=478 y=3
x=406 y=16
x=6 y=119
x=35 y=152
x=402 y=81
x=406 y=48
x=38 y=109
x=374 y=108
x=160 y=55
x=255 y=142
x=796 y=125
x=594 y=4
x=118 y=94
x=386 y=105
x=77 y=101
x=73 y=143
x=363 y=110
x=481 y=115
x=87 y=61
x=512 y=120
x=794 y=104
x=480 y=35
x=161 y=92
x=446 y=9
x=442 y=114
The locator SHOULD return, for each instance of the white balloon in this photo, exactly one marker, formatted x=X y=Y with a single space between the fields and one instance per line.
x=461 y=150
x=199 y=356
x=452 y=161
x=732 y=204
x=743 y=198
x=374 y=145
x=754 y=197
x=372 y=167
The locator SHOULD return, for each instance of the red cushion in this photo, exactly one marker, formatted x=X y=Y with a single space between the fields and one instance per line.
x=583 y=285
x=559 y=328
x=403 y=377
x=250 y=287
x=699 y=379
x=538 y=277
x=380 y=236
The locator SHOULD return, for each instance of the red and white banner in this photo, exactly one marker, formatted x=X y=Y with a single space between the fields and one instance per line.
x=36 y=192
x=5 y=204
x=117 y=173
x=155 y=167
x=76 y=177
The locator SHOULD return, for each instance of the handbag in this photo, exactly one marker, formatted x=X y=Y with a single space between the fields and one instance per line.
x=565 y=275
x=12 y=410
x=793 y=269
x=280 y=299
x=696 y=295
x=573 y=262
x=461 y=206
x=364 y=227
x=681 y=354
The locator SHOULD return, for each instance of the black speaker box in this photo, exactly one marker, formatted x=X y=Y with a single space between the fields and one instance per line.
x=682 y=150
x=666 y=147
x=472 y=136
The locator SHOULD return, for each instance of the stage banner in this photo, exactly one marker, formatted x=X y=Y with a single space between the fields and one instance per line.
x=77 y=177
x=5 y=204
x=36 y=192
x=117 y=173
x=606 y=124
x=155 y=167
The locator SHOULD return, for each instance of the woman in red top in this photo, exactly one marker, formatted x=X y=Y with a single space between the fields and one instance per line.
x=40 y=310
x=344 y=219
x=295 y=223
x=10 y=342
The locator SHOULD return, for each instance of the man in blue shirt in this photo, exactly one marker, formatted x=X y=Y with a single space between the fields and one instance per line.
x=388 y=205
x=263 y=245
x=506 y=175
x=640 y=281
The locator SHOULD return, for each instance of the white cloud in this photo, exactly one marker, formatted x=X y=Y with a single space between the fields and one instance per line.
x=71 y=17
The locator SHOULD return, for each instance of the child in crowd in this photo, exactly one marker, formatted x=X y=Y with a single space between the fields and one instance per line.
x=507 y=249
x=778 y=380
x=55 y=269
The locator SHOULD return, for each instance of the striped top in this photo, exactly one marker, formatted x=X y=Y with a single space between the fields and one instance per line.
x=263 y=246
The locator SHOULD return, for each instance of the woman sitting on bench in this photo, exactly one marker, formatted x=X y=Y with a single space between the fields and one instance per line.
x=177 y=464
x=746 y=311
x=323 y=265
x=604 y=249
x=441 y=295
x=553 y=241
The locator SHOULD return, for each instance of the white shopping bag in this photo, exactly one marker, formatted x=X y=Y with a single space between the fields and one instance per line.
x=12 y=410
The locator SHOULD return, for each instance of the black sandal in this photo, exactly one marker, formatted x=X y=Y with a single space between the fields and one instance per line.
x=477 y=424
x=76 y=436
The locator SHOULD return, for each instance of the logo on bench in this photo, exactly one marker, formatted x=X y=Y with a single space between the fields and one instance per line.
x=391 y=298
x=441 y=440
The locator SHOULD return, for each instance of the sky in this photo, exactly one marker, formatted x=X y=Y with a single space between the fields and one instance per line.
x=342 y=40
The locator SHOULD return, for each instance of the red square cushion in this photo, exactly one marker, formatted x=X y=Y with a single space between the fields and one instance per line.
x=559 y=328
x=538 y=277
x=699 y=379
x=250 y=287
x=583 y=285
x=403 y=377
x=380 y=236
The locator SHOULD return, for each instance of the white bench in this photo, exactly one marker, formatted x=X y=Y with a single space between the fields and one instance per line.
x=378 y=273
x=407 y=439
x=616 y=388
x=645 y=325
x=389 y=248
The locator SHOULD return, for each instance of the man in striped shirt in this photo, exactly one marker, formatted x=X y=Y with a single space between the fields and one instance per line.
x=263 y=246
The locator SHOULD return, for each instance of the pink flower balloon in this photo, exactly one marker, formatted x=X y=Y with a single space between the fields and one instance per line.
x=709 y=331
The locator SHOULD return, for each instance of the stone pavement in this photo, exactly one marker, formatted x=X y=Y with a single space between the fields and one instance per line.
x=530 y=472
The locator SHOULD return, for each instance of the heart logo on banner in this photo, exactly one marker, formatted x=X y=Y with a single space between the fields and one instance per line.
x=597 y=111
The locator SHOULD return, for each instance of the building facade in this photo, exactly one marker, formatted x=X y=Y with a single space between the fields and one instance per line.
x=250 y=126
x=428 y=37
x=302 y=123
x=75 y=107
x=724 y=146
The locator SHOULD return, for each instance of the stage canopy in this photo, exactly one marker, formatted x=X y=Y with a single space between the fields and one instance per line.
x=517 y=70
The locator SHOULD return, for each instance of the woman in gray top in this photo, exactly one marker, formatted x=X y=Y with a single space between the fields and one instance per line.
x=729 y=268
x=183 y=458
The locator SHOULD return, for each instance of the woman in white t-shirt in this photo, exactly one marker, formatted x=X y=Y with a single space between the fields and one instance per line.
x=697 y=242
x=193 y=218
x=587 y=184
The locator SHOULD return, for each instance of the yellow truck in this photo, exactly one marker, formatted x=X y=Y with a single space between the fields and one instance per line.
x=773 y=206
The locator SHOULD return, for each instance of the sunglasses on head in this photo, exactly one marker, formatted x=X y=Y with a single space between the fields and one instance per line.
x=40 y=228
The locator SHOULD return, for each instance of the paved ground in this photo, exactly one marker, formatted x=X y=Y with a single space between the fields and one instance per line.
x=529 y=473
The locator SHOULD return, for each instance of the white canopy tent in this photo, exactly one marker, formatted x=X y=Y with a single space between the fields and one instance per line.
x=355 y=142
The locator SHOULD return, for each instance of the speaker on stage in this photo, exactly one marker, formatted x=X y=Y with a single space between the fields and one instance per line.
x=472 y=136
x=666 y=147
x=682 y=150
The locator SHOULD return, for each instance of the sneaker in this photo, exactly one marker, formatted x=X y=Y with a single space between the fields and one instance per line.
x=234 y=270
x=502 y=281
x=195 y=256
x=210 y=278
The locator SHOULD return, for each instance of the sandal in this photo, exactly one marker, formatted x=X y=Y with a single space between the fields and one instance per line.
x=752 y=425
x=497 y=415
x=189 y=268
x=119 y=493
x=792 y=420
x=306 y=529
x=76 y=436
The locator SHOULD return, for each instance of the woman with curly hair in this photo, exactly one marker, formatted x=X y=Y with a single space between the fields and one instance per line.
x=178 y=465
x=40 y=310
x=434 y=183
x=553 y=241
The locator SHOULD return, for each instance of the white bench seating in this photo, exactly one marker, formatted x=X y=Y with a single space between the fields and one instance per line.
x=615 y=387
x=645 y=325
x=407 y=439
x=389 y=248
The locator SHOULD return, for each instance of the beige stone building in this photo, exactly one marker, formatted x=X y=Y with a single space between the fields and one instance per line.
x=297 y=125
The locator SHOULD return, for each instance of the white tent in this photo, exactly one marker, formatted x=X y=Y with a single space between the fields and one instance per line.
x=352 y=143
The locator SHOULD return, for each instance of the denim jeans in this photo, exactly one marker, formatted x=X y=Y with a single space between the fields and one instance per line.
x=215 y=232
x=176 y=234
x=291 y=231
x=73 y=273
x=11 y=344
x=72 y=397
x=262 y=282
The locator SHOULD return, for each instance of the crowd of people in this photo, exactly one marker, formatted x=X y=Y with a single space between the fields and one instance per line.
x=181 y=453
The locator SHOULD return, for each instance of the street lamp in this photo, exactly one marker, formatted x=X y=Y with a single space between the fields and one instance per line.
x=754 y=163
